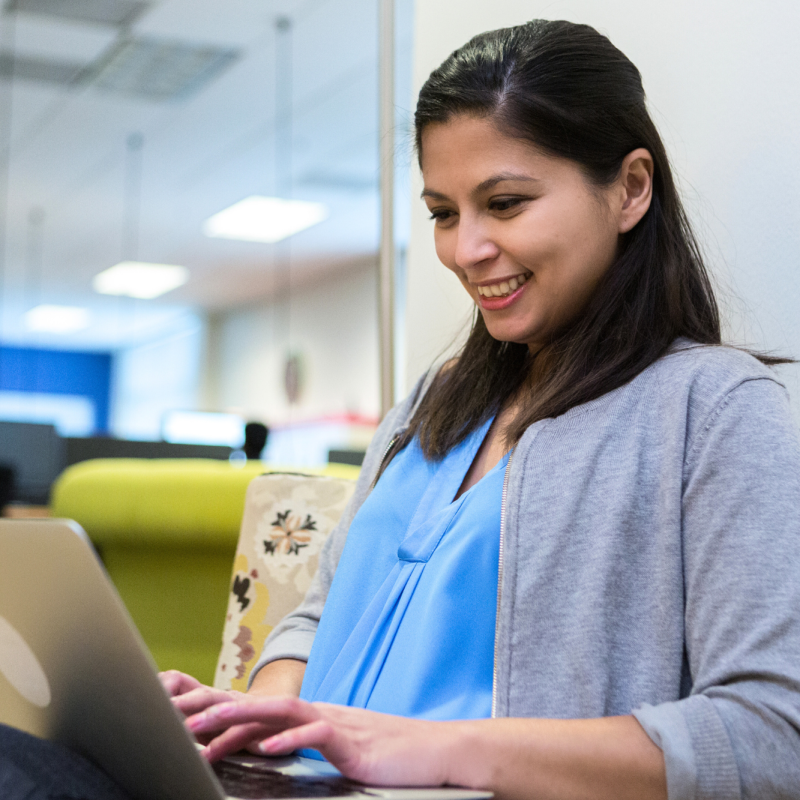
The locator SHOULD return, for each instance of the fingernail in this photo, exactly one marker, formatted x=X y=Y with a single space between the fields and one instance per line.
x=269 y=745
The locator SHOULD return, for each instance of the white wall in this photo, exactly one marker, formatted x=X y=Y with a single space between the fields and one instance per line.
x=722 y=83
x=332 y=324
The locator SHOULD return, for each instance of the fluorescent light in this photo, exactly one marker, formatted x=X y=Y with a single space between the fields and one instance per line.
x=139 y=279
x=264 y=219
x=56 y=319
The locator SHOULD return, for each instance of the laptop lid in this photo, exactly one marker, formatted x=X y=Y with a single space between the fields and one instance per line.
x=73 y=669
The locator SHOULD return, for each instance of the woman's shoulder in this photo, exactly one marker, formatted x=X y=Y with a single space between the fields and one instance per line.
x=710 y=369
x=693 y=381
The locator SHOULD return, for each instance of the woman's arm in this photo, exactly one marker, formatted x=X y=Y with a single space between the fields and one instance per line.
x=284 y=677
x=515 y=758
x=544 y=758
x=737 y=734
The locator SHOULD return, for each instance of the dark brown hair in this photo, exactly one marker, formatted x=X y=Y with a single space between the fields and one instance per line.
x=565 y=88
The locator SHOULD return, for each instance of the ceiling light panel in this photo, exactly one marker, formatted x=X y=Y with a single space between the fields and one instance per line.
x=264 y=219
x=159 y=69
x=100 y=12
x=140 y=279
x=57 y=319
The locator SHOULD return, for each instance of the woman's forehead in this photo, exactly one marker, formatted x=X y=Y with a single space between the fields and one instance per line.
x=473 y=152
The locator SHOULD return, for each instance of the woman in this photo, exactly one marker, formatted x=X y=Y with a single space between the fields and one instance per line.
x=577 y=573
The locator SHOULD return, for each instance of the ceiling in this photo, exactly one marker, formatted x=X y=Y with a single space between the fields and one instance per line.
x=125 y=124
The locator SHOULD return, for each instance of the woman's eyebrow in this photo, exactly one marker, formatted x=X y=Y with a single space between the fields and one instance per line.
x=433 y=195
x=483 y=185
x=499 y=178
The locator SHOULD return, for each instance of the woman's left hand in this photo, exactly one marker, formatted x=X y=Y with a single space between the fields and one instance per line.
x=364 y=745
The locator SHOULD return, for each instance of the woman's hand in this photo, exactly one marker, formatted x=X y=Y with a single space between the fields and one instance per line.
x=365 y=746
x=190 y=696
x=178 y=683
x=610 y=757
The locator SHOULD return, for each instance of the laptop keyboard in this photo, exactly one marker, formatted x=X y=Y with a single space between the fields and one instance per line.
x=256 y=781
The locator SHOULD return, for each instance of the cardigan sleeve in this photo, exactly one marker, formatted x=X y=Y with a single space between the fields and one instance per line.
x=737 y=735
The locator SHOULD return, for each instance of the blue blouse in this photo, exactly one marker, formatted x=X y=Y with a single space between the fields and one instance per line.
x=408 y=627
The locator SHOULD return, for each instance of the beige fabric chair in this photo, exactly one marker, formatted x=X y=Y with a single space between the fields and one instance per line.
x=286 y=521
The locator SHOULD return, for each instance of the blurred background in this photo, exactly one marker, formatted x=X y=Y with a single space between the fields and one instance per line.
x=125 y=127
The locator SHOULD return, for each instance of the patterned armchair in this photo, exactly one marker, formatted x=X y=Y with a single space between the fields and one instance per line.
x=286 y=520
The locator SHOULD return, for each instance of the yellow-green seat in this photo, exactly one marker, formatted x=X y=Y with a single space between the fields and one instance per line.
x=167 y=531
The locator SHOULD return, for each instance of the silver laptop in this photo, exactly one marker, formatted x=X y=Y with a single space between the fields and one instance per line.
x=73 y=669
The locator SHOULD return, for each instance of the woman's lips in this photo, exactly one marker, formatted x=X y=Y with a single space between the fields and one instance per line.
x=498 y=303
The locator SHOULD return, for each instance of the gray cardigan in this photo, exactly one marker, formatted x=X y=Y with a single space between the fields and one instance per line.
x=651 y=566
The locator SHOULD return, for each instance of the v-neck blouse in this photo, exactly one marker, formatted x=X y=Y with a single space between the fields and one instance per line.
x=408 y=626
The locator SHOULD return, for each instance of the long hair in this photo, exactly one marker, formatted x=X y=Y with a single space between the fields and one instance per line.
x=565 y=88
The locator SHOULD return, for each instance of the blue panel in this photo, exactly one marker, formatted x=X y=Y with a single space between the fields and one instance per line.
x=24 y=369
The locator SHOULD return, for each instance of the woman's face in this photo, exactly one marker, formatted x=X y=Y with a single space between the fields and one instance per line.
x=525 y=233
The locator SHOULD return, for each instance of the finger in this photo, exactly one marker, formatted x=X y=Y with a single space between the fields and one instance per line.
x=234 y=739
x=200 y=699
x=177 y=683
x=339 y=749
x=317 y=734
x=278 y=712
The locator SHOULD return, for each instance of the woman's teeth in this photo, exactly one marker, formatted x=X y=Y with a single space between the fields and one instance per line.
x=504 y=288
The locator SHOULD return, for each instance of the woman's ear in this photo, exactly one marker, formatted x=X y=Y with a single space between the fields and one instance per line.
x=636 y=184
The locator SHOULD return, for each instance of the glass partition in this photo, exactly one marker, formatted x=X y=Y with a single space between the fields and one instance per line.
x=189 y=215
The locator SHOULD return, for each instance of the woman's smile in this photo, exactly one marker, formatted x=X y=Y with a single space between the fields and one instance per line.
x=501 y=294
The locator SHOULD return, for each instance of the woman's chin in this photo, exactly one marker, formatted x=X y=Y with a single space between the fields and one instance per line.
x=511 y=334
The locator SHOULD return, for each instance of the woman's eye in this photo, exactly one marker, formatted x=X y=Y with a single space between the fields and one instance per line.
x=441 y=214
x=504 y=203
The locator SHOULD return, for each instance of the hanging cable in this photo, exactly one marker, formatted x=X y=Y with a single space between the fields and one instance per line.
x=32 y=285
x=132 y=201
x=292 y=368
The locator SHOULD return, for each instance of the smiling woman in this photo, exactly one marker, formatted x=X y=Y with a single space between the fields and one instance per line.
x=569 y=568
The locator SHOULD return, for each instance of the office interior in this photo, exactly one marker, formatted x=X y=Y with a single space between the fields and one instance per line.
x=132 y=130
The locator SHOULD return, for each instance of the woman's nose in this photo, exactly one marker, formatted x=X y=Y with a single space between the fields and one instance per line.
x=473 y=245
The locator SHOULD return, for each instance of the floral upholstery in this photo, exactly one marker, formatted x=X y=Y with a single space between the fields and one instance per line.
x=286 y=521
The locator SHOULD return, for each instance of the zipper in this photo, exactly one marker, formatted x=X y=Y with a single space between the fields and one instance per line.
x=500 y=581
x=392 y=443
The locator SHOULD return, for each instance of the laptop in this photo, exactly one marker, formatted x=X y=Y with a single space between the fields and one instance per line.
x=73 y=669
